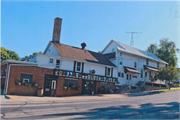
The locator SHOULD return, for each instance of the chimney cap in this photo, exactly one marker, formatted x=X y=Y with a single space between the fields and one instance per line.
x=58 y=18
x=83 y=45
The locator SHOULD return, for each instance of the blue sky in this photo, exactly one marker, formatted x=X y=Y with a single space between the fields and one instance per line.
x=27 y=26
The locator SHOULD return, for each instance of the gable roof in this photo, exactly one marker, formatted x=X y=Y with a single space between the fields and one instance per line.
x=131 y=50
x=135 y=51
x=79 y=54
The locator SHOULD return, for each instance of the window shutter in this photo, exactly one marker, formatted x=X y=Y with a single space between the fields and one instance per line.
x=105 y=70
x=74 y=65
x=82 y=67
x=111 y=72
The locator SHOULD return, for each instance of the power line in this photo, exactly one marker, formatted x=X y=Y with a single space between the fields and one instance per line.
x=132 y=41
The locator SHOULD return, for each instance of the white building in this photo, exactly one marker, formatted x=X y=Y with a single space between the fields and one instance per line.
x=130 y=65
x=133 y=64
x=65 y=57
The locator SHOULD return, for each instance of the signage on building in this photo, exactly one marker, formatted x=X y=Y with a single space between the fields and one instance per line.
x=83 y=76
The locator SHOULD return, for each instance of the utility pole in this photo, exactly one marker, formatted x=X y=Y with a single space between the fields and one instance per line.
x=132 y=41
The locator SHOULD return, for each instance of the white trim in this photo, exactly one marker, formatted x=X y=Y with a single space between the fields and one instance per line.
x=53 y=88
x=107 y=46
x=76 y=66
x=107 y=72
x=16 y=61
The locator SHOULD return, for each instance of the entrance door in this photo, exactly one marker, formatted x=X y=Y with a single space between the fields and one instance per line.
x=47 y=88
x=50 y=85
x=87 y=87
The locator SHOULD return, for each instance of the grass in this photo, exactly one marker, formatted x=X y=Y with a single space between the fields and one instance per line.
x=166 y=90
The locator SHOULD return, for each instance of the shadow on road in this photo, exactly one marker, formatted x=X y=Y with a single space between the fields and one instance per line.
x=143 y=111
x=144 y=93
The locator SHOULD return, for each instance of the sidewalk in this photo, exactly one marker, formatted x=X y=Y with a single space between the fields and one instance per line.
x=36 y=98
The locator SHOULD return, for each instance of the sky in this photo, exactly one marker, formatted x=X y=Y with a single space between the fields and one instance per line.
x=27 y=26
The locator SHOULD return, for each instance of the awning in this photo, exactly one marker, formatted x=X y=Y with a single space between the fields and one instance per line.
x=131 y=70
x=150 y=68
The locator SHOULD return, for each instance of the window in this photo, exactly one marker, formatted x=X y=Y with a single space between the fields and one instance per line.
x=157 y=64
x=50 y=60
x=127 y=76
x=122 y=75
x=119 y=74
x=103 y=85
x=78 y=67
x=120 y=53
x=108 y=72
x=135 y=64
x=113 y=50
x=57 y=63
x=145 y=74
x=141 y=73
x=120 y=61
x=27 y=78
x=53 y=85
x=130 y=77
x=149 y=74
x=147 y=62
x=71 y=82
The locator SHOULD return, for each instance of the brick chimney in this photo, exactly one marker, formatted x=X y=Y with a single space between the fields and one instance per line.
x=57 y=30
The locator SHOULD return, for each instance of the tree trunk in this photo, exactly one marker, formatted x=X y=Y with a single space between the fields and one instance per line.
x=169 y=85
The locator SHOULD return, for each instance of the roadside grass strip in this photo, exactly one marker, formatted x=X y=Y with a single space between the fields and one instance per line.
x=165 y=90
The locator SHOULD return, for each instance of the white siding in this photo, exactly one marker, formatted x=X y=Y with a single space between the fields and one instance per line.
x=110 y=47
x=128 y=61
x=67 y=65
x=52 y=51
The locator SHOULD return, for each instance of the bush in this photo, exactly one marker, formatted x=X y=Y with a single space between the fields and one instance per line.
x=175 y=85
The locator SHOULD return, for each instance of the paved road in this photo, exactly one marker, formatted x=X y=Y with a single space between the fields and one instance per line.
x=147 y=106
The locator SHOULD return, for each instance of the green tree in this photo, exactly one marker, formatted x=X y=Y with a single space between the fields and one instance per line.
x=35 y=53
x=168 y=73
x=40 y=52
x=166 y=51
x=8 y=54
x=153 y=48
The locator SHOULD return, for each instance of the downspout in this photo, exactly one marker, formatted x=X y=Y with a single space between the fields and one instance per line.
x=5 y=92
x=6 y=76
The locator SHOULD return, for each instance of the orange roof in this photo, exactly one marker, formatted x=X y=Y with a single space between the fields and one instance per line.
x=79 y=54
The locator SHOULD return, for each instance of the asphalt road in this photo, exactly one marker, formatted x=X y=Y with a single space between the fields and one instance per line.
x=145 y=106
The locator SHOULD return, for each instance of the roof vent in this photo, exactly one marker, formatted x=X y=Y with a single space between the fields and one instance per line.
x=83 y=45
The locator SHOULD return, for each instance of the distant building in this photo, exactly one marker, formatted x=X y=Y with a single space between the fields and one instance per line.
x=133 y=64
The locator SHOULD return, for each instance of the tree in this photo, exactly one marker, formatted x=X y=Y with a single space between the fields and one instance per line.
x=168 y=73
x=166 y=51
x=40 y=52
x=8 y=54
x=153 y=48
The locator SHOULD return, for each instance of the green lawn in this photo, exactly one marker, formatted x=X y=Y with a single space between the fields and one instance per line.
x=167 y=90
